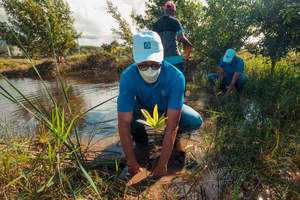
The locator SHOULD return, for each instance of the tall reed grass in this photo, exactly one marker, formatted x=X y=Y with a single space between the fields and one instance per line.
x=50 y=165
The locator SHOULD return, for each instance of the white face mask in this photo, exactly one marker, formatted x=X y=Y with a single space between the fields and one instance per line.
x=150 y=75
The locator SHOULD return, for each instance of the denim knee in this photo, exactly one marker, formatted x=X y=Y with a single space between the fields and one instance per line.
x=242 y=80
x=190 y=119
x=212 y=78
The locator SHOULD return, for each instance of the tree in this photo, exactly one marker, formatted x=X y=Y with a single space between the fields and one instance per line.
x=89 y=49
x=28 y=20
x=124 y=30
x=277 y=22
x=224 y=24
x=212 y=28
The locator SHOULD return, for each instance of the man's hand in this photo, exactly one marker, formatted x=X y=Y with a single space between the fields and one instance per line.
x=160 y=170
x=124 y=119
x=134 y=168
x=168 y=142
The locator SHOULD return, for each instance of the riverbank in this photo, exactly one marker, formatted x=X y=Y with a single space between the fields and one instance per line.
x=94 y=64
x=20 y=65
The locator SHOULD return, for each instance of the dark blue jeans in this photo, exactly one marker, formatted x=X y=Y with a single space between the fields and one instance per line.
x=241 y=81
x=190 y=120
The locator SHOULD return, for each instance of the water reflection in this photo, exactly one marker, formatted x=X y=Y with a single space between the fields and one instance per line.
x=83 y=93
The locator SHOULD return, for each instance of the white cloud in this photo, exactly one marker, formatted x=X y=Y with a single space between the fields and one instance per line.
x=3 y=16
x=93 y=21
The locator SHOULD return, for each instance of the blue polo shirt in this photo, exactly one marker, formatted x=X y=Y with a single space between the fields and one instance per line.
x=230 y=68
x=166 y=92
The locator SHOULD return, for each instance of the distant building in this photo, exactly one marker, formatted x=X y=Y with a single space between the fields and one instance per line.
x=16 y=51
x=12 y=51
x=5 y=46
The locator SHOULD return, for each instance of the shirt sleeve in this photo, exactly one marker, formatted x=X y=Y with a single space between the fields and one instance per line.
x=178 y=28
x=221 y=64
x=177 y=93
x=126 y=98
x=154 y=27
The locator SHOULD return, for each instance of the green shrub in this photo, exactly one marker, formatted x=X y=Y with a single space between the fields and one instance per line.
x=257 y=137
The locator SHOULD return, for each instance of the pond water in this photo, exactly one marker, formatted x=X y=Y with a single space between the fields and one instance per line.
x=84 y=93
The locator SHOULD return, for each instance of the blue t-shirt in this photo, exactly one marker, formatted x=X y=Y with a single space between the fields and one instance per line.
x=230 y=68
x=166 y=92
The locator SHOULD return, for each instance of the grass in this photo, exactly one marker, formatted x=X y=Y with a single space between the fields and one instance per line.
x=252 y=145
x=90 y=64
x=41 y=167
x=10 y=64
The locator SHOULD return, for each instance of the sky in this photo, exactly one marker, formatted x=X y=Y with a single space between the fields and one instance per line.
x=92 y=20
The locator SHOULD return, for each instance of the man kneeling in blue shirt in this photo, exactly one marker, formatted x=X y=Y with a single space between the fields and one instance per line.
x=145 y=83
x=231 y=73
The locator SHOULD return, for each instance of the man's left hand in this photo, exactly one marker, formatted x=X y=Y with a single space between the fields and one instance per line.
x=160 y=170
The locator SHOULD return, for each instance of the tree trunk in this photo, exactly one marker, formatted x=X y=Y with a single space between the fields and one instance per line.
x=273 y=63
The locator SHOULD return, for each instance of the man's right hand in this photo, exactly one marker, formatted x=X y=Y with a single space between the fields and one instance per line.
x=134 y=168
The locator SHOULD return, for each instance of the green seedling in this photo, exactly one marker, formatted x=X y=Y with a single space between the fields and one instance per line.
x=154 y=122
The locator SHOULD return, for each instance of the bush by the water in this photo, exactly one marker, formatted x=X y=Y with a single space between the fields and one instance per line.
x=99 y=61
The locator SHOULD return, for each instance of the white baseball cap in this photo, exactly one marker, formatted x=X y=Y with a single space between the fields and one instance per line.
x=230 y=53
x=147 y=46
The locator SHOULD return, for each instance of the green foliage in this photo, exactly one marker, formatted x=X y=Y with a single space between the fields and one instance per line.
x=276 y=22
x=116 y=50
x=154 y=10
x=154 y=122
x=27 y=19
x=212 y=28
x=256 y=138
x=124 y=31
x=88 y=49
x=224 y=24
x=108 y=47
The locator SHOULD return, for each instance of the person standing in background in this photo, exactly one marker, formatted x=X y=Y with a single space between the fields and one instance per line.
x=170 y=30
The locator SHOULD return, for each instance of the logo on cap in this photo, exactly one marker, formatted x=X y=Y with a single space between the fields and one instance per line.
x=147 y=45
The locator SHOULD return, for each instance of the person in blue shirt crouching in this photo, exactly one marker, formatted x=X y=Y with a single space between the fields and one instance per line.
x=231 y=73
x=145 y=83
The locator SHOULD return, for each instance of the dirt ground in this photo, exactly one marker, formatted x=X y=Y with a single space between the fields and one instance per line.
x=144 y=184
